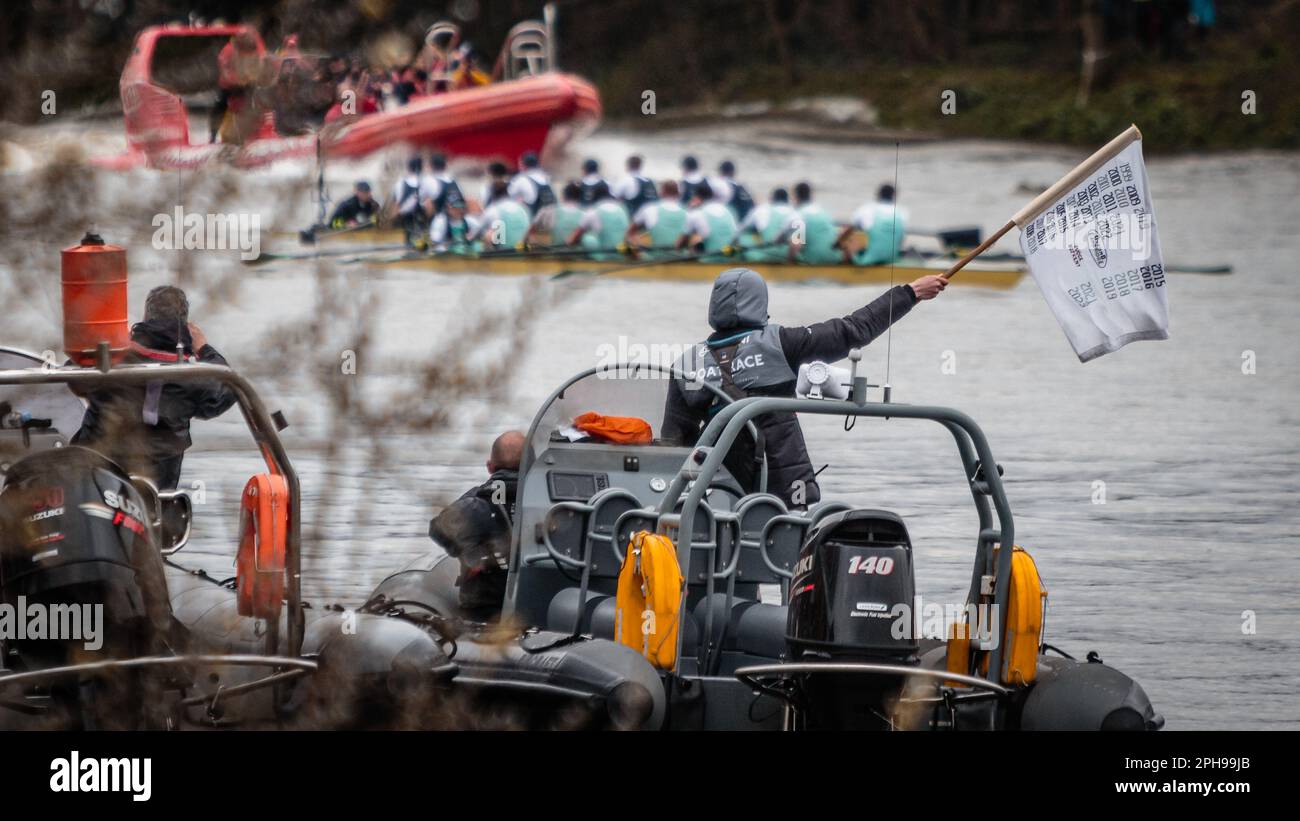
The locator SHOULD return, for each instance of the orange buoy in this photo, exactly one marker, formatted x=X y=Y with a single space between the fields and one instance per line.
x=261 y=561
x=94 y=300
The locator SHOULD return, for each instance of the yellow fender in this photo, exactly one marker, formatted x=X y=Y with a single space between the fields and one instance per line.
x=1022 y=635
x=1024 y=630
x=649 y=599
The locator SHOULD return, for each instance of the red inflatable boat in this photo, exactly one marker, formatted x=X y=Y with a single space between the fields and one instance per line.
x=525 y=110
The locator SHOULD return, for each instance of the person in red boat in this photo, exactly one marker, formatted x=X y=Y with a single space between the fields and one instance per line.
x=357 y=96
x=440 y=43
x=466 y=68
x=239 y=68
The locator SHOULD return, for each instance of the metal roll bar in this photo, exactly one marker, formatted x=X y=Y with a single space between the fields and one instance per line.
x=260 y=424
x=718 y=437
x=753 y=675
x=628 y=371
x=215 y=660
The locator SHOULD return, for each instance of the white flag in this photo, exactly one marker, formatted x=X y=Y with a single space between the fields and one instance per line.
x=1092 y=247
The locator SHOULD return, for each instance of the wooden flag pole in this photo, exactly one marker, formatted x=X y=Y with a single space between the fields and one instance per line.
x=979 y=249
x=1040 y=203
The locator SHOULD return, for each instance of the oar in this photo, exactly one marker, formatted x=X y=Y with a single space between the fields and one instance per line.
x=537 y=251
x=412 y=254
x=332 y=252
x=568 y=272
x=308 y=236
x=963 y=237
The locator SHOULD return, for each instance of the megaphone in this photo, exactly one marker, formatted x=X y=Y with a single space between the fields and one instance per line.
x=818 y=380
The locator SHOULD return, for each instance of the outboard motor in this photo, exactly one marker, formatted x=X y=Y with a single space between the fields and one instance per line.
x=852 y=585
x=80 y=564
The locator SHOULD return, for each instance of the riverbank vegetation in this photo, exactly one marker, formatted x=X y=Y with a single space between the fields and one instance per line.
x=1195 y=74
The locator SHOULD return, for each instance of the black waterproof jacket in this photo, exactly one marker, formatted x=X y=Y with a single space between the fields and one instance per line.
x=137 y=426
x=475 y=529
x=743 y=337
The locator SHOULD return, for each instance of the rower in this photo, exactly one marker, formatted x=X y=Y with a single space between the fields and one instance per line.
x=606 y=221
x=884 y=224
x=558 y=222
x=532 y=186
x=358 y=209
x=763 y=226
x=438 y=189
x=810 y=231
x=731 y=193
x=590 y=179
x=662 y=222
x=691 y=179
x=710 y=226
x=748 y=356
x=451 y=229
x=636 y=189
x=497 y=172
x=406 y=199
x=504 y=223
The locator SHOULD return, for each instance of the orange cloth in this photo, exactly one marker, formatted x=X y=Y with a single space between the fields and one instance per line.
x=621 y=430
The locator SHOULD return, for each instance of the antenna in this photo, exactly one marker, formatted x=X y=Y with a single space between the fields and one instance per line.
x=893 y=243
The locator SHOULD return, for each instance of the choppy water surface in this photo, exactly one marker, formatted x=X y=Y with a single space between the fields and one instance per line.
x=1198 y=459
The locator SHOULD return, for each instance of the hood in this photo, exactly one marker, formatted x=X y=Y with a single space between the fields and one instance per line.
x=161 y=336
x=739 y=300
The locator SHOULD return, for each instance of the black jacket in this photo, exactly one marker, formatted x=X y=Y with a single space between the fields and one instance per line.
x=738 y=310
x=353 y=209
x=137 y=426
x=475 y=529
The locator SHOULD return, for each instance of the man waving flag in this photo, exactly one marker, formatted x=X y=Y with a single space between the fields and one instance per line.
x=1090 y=241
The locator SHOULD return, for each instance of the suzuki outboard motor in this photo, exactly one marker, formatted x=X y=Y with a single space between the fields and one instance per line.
x=851 y=600
x=79 y=564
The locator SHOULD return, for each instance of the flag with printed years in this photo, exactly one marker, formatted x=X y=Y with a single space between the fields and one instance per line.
x=1091 y=244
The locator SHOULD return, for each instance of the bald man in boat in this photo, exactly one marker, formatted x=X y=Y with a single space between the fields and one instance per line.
x=749 y=356
x=475 y=530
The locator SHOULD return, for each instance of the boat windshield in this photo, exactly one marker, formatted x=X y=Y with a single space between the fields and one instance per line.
x=636 y=392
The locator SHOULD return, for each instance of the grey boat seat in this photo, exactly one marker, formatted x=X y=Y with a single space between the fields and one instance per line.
x=752 y=627
x=599 y=615
x=590 y=530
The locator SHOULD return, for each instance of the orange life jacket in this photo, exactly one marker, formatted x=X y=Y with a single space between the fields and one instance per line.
x=649 y=599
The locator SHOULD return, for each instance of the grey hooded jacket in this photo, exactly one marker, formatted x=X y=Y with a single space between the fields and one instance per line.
x=747 y=356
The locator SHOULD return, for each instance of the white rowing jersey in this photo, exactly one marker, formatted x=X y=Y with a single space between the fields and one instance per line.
x=525 y=185
x=722 y=189
x=407 y=193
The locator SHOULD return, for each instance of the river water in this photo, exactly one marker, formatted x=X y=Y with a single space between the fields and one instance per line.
x=1157 y=487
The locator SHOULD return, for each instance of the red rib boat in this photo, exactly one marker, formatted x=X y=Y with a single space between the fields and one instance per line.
x=526 y=108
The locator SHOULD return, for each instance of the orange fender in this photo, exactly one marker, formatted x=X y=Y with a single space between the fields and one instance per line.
x=263 y=536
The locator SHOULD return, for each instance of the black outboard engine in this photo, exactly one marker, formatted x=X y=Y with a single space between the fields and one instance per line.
x=851 y=600
x=78 y=553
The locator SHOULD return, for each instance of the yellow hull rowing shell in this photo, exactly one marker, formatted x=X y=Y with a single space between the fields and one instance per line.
x=1000 y=275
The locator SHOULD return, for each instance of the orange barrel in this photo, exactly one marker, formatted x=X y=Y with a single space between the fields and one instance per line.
x=94 y=300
